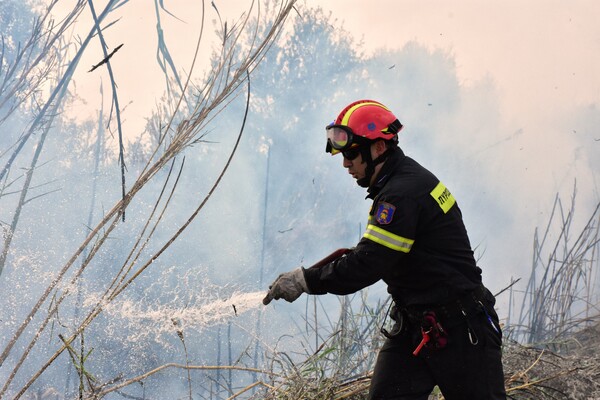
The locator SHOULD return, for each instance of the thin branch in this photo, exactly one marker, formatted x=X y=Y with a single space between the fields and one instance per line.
x=177 y=366
x=115 y=96
x=106 y=58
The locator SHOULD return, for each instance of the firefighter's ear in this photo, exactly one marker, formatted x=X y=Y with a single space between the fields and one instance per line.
x=379 y=147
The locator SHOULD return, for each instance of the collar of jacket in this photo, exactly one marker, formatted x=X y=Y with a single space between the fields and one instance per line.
x=386 y=171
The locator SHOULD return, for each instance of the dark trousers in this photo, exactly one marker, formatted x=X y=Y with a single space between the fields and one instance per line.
x=463 y=370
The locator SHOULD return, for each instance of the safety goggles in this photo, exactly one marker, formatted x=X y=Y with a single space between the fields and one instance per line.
x=351 y=154
x=340 y=138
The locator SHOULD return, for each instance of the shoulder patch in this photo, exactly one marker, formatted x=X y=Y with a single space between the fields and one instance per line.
x=443 y=197
x=385 y=213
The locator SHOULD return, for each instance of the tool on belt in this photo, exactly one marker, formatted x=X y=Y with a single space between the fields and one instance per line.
x=434 y=336
x=398 y=322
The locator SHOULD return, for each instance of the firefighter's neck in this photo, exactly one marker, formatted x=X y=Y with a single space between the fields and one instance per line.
x=377 y=149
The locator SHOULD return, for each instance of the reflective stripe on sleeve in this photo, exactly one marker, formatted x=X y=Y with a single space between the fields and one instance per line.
x=388 y=239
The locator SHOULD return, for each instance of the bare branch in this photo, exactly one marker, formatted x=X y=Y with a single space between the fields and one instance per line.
x=106 y=58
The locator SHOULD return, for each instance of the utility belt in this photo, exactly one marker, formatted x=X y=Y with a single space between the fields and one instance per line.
x=452 y=312
x=434 y=320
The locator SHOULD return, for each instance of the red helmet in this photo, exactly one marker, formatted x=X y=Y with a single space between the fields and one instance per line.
x=366 y=119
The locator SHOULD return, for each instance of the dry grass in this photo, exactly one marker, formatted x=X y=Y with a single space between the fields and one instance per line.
x=533 y=373
x=530 y=373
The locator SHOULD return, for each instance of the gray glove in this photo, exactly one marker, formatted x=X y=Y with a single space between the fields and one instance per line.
x=288 y=286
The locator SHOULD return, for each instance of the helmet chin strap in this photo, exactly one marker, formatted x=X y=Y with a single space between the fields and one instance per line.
x=371 y=164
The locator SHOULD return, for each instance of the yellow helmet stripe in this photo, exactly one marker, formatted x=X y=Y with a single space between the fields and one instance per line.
x=388 y=239
x=348 y=113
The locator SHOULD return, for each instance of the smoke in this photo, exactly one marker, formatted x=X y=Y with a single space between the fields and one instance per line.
x=284 y=203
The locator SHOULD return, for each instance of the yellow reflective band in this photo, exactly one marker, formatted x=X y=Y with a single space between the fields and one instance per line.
x=444 y=198
x=388 y=239
x=346 y=117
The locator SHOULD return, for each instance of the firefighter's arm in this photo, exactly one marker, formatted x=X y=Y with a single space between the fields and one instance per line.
x=387 y=240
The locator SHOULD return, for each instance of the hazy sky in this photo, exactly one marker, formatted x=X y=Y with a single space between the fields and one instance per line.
x=543 y=55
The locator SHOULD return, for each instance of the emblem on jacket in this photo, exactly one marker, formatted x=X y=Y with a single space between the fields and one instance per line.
x=384 y=213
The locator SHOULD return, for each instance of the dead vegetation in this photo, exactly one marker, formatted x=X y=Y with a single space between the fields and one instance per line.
x=530 y=373
x=229 y=78
x=533 y=373
x=551 y=351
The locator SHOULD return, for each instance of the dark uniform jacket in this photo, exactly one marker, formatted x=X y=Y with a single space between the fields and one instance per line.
x=415 y=241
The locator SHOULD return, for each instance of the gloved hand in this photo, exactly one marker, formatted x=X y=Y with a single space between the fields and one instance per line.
x=288 y=286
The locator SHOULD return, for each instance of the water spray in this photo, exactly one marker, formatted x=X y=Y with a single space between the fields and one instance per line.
x=157 y=320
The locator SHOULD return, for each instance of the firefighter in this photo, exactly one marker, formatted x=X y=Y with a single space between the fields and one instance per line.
x=445 y=331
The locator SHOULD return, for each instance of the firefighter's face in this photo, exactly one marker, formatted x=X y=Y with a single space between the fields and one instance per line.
x=356 y=167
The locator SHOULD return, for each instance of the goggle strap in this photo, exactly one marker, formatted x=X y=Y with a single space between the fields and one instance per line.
x=394 y=127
